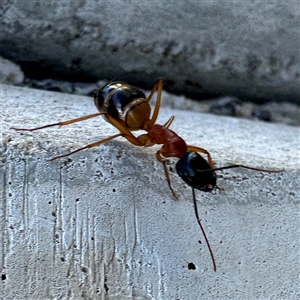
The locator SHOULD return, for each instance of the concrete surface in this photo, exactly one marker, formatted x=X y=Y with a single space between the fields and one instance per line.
x=240 y=48
x=102 y=223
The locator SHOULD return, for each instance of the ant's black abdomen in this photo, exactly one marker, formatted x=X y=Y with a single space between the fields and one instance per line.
x=190 y=168
x=115 y=96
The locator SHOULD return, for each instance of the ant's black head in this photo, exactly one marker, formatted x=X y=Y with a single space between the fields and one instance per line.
x=190 y=168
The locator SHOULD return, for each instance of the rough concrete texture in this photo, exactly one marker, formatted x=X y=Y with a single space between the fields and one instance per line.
x=102 y=223
x=243 y=48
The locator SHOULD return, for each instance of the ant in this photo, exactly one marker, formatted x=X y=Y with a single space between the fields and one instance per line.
x=127 y=108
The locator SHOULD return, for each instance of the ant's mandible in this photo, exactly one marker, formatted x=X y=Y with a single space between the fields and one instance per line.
x=127 y=108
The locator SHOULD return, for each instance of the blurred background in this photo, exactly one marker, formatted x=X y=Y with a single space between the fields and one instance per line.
x=234 y=58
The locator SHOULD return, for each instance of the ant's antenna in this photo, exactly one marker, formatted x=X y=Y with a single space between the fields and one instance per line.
x=241 y=166
x=203 y=232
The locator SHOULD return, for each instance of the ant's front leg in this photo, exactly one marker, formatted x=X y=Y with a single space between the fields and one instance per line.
x=163 y=161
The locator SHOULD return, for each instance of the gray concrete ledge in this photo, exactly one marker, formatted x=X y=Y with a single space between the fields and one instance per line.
x=102 y=224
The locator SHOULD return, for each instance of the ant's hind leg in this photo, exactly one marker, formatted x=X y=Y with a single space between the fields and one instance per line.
x=89 y=146
x=59 y=123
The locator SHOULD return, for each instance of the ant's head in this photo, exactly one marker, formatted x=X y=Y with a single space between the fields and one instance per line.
x=190 y=168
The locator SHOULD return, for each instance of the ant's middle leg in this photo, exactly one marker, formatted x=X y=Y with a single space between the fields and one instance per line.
x=59 y=123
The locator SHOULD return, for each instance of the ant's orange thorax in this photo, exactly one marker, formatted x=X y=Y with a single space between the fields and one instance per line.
x=173 y=144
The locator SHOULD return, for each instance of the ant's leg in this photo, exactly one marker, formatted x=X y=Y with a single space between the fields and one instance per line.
x=89 y=146
x=59 y=123
x=157 y=87
x=123 y=132
x=126 y=133
x=169 y=122
x=163 y=161
x=201 y=150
